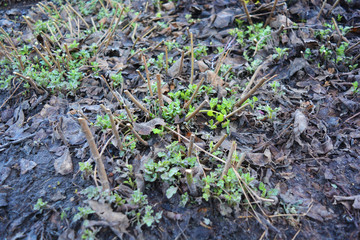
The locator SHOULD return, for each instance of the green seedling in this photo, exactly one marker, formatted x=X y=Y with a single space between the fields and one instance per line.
x=103 y=122
x=84 y=212
x=149 y=218
x=270 y=113
x=117 y=79
x=172 y=45
x=275 y=85
x=355 y=87
x=86 y=169
x=252 y=102
x=40 y=205
x=280 y=53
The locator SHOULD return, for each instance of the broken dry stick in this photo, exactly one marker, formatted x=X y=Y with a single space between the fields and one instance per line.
x=192 y=59
x=161 y=102
x=196 y=111
x=253 y=90
x=42 y=56
x=271 y=13
x=242 y=158
x=218 y=144
x=113 y=126
x=147 y=75
x=31 y=82
x=194 y=94
x=191 y=145
x=195 y=145
x=120 y=102
x=95 y=154
x=181 y=62
x=166 y=60
x=137 y=135
x=321 y=9
x=137 y=103
x=229 y=159
x=246 y=11
x=232 y=113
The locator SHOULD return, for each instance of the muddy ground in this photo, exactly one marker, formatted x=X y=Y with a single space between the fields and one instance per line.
x=300 y=140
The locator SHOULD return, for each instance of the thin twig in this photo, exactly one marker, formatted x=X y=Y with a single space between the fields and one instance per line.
x=196 y=111
x=332 y=8
x=271 y=13
x=229 y=160
x=187 y=104
x=137 y=135
x=246 y=11
x=192 y=59
x=191 y=145
x=195 y=145
x=321 y=9
x=137 y=103
x=161 y=101
x=253 y=90
x=113 y=126
x=147 y=75
x=218 y=144
x=181 y=62
x=95 y=154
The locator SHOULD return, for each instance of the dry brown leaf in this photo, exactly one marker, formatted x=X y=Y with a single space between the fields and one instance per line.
x=147 y=127
x=300 y=125
x=117 y=220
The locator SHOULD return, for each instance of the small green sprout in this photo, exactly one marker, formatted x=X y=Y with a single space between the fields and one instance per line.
x=40 y=205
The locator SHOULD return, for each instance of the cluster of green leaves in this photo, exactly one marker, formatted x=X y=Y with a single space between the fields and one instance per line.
x=355 y=87
x=199 y=52
x=144 y=214
x=329 y=53
x=255 y=33
x=270 y=113
x=229 y=187
x=167 y=167
x=220 y=110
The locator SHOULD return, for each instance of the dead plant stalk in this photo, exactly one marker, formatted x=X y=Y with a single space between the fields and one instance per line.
x=95 y=154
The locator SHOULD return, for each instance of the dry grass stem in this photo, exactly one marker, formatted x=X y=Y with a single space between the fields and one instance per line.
x=42 y=56
x=95 y=154
x=241 y=160
x=191 y=145
x=271 y=13
x=253 y=90
x=137 y=103
x=121 y=103
x=196 y=110
x=246 y=11
x=138 y=137
x=187 y=104
x=147 y=75
x=332 y=8
x=166 y=60
x=321 y=9
x=229 y=160
x=233 y=113
x=161 y=101
x=192 y=59
x=113 y=126
x=195 y=145
x=31 y=82
x=218 y=144
x=181 y=63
